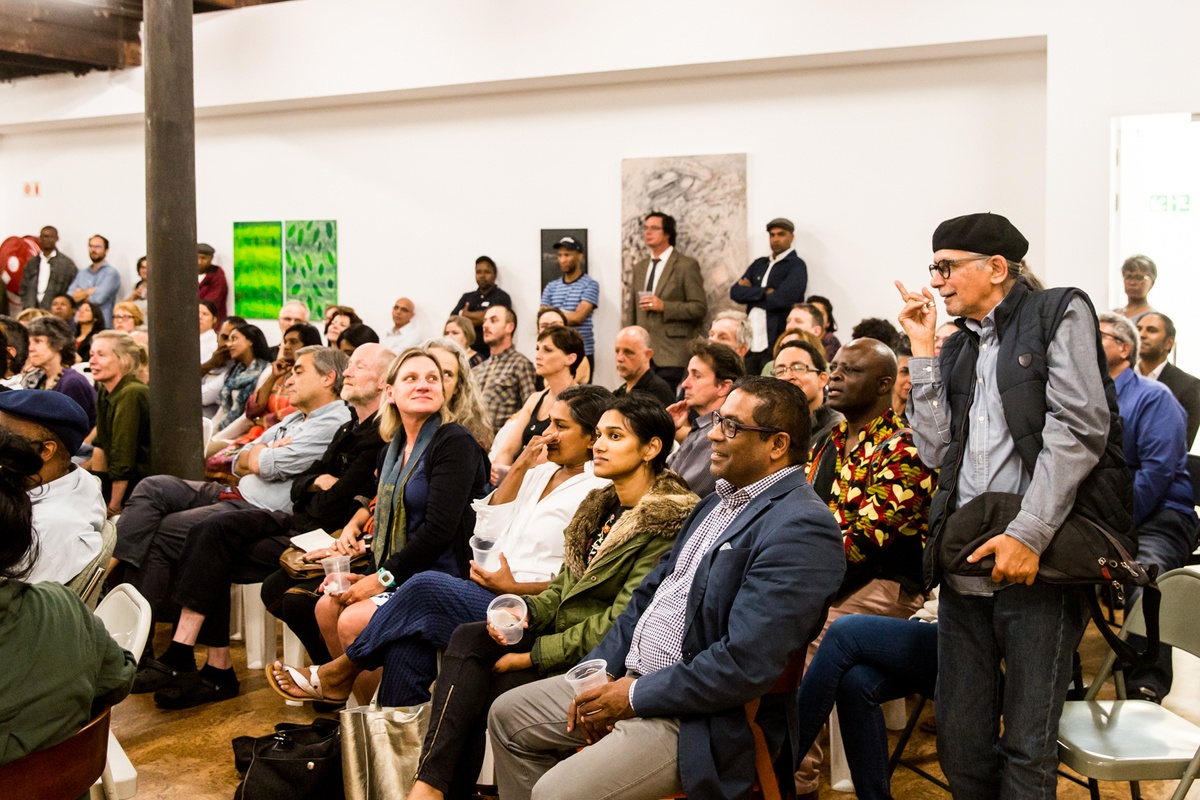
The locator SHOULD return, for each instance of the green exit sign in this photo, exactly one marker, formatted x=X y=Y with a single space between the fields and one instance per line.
x=1170 y=202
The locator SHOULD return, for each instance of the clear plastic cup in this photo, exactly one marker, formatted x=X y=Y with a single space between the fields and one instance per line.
x=485 y=552
x=507 y=614
x=337 y=568
x=643 y=295
x=587 y=675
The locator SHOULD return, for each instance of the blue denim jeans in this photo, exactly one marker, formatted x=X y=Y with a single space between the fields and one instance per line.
x=864 y=661
x=1033 y=631
x=1166 y=540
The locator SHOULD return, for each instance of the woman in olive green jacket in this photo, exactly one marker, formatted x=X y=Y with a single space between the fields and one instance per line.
x=618 y=535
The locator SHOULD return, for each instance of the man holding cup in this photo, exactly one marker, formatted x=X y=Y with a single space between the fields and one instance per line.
x=745 y=588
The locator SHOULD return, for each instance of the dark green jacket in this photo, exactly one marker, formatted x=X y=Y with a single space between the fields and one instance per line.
x=123 y=428
x=573 y=614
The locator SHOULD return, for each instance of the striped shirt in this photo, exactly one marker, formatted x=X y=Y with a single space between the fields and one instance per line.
x=657 y=640
x=568 y=296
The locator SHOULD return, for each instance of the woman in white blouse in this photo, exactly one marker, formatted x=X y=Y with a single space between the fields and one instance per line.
x=525 y=517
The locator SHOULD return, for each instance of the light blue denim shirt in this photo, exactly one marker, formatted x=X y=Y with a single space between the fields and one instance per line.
x=108 y=285
x=271 y=488
x=1072 y=440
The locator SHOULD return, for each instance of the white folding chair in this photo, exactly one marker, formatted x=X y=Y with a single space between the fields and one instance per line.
x=128 y=618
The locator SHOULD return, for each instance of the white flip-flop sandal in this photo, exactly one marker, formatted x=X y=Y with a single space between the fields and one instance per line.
x=311 y=685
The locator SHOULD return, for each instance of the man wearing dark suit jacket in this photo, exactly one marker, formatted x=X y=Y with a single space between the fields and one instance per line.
x=769 y=288
x=667 y=298
x=1157 y=334
x=38 y=290
x=745 y=588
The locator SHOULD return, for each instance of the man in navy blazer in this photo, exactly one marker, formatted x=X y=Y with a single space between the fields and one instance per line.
x=744 y=590
x=769 y=288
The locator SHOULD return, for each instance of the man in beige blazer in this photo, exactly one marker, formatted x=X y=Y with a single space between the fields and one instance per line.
x=667 y=298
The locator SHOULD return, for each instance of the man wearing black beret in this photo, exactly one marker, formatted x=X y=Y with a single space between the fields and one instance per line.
x=770 y=287
x=1021 y=404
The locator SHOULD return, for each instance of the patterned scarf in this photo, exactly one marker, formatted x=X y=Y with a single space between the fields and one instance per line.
x=391 y=525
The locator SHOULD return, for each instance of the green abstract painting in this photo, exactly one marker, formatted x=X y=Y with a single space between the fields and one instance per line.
x=310 y=269
x=257 y=269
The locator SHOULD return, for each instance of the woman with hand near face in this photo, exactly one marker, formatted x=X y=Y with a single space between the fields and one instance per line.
x=525 y=518
x=423 y=518
x=122 y=443
x=248 y=357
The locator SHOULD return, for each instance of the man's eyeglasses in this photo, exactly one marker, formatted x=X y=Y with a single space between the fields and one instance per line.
x=729 y=428
x=781 y=371
x=945 y=266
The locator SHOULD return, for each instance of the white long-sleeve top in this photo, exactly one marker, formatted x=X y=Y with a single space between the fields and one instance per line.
x=530 y=532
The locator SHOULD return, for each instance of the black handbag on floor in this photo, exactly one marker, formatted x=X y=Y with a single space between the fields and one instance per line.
x=297 y=762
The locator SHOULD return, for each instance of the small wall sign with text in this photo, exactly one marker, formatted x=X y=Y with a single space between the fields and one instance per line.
x=1160 y=203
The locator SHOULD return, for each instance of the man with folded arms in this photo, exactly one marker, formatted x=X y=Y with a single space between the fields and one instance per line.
x=245 y=546
x=745 y=588
x=1019 y=402
x=163 y=509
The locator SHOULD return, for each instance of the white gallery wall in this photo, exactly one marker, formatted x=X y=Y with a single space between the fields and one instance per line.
x=436 y=132
x=420 y=188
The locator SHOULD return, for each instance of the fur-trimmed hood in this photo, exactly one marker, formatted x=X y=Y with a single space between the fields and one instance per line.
x=660 y=512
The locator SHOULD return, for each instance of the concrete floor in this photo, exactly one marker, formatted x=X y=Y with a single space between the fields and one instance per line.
x=187 y=754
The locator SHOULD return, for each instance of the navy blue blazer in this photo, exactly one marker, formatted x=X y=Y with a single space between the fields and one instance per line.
x=789 y=279
x=759 y=596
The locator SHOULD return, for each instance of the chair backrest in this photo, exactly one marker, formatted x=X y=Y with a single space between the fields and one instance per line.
x=88 y=582
x=62 y=772
x=206 y=431
x=127 y=617
x=1180 y=598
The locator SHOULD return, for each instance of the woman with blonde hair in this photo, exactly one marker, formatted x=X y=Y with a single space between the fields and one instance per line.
x=127 y=317
x=466 y=401
x=122 y=445
x=422 y=515
x=460 y=329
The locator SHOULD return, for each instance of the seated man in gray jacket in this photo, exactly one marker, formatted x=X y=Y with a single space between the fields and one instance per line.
x=163 y=509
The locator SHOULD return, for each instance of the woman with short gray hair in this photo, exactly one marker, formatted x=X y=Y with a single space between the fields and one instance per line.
x=51 y=350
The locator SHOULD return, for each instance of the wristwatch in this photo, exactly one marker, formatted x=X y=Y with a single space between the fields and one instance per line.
x=387 y=579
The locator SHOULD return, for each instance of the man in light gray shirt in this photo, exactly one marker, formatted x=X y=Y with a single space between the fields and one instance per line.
x=1019 y=404
x=163 y=509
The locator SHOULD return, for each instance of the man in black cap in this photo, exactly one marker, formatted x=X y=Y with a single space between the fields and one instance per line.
x=1021 y=404
x=213 y=286
x=770 y=287
x=68 y=508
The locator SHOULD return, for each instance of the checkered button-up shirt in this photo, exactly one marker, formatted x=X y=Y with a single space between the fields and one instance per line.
x=506 y=380
x=658 y=637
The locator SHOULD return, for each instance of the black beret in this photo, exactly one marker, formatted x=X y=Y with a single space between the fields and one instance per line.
x=781 y=222
x=54 y=411
x=205 y=249
x=986 y=234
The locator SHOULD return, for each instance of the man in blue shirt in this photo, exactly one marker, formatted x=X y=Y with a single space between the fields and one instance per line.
x=575 y=293
x=1155 y=443
x=99 y=283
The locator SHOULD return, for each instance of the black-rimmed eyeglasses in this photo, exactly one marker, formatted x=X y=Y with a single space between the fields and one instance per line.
x=945 y=266
x=729 y=428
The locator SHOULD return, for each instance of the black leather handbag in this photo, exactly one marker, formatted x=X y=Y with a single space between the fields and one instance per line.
x=297 y=762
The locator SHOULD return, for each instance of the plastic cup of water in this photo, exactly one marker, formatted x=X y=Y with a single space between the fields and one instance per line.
x=507 y=614
x=587 y=675
x=337 y=568
x=486 y=554
x=643 y=295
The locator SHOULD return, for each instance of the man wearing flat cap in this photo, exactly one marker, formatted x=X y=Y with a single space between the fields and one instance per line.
x=213 y=285
x=1022 y=404
x=769 y=288
x=68 y=508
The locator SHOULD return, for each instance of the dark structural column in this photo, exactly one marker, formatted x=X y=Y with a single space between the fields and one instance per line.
x=171 y=241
